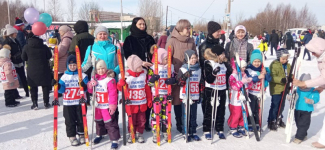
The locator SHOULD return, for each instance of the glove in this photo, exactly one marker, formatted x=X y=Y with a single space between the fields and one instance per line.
x=149 y=104
x=284 y=80
x=112 y=109
x=290 y=79
x=92 y=83
x=54 y=82
x=216 y=70
x=120 y=83
x=170 y=81
x=153 y=79
x=191 y=102
x=184 y=77
x=83 y=84
x=309 y=101
x=246 y=80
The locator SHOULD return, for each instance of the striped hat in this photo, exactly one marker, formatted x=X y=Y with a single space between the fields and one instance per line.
x=281 y=53
x=19 y=22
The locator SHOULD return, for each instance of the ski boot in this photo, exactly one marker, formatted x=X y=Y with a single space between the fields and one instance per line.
x=130 y=139
x=221 y=135
x=114 y=145
x=165 y=136
x=242 y=131
x=154 y=137
x=273 y=126
x=82 y=139
x=281 y=124
x=74 y=141
x=235 y=133
x=251 y=129
x=208 y=135
x=97 y=139
x=195 y=137
x=139 y=137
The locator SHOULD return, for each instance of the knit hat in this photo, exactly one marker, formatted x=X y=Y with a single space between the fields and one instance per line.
x=213 y=27
x=189 y=53
x=162 y=54
x=281 y=53
x=19 y=22
x=134 y=62
x=242 y=63
x=217 y=49
x=240 y=27
x=10 y=30
x=64 y=28
x=100 y=29
x=305 y=77
x=28 y=27
x=101 y=64
x=316 y=45
x=71 y=60
x=5 y=51
x=256 y=54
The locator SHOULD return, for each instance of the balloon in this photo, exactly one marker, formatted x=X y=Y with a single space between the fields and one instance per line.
x=39 y=28
x=31 y=15
x=45 y=18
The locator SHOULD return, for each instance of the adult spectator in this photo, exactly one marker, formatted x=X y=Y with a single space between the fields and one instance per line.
x=37 y=56
x=180 y=42
x=16 y=51
x=21 y=38
x=288 y=41
x=305 y=41
x=317 y=47
x=162 y=40
x=274 y=41
x=58 y=35
x=239 y=44
x=139 y=43
x=267 y=36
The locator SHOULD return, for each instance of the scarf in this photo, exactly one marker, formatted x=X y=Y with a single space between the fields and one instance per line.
x=240 y=46
x=258 y=69
x=194 y=67
x=134 y=74
x=136 y=32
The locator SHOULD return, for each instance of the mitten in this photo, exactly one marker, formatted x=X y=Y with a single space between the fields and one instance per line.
x=91 y=84
x=54 y=82
x=153 y=79
x=149 y=104
x=216 y=70
x=170 y=81
x=83 y=84
x=120 y=84
x=112 y=109
x=246 y=80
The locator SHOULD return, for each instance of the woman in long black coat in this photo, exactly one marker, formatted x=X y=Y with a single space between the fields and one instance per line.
x=37 y=56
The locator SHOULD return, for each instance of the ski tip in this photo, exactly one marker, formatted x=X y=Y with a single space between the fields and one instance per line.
x=87 y=143
x=158 y=143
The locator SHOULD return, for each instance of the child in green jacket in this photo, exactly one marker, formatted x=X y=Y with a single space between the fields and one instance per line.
x=280 y=68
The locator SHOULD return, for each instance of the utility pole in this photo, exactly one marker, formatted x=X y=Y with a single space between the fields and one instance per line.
x=121 y=21
x=8 y=11
x=228 y=16
x=166 y=16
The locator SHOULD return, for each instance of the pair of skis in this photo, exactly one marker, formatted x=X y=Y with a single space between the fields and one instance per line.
x=261 y=98
x=292 y=101
x=186 y=106
x=244 y=102
x=214 y=103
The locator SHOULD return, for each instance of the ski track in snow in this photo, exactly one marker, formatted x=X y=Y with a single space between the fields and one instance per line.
x=24 y=129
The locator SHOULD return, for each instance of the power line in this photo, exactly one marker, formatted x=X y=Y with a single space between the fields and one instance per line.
x=187 y=13
x=208 y=8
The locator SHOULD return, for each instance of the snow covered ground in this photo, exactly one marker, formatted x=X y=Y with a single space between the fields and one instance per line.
x=24 y=129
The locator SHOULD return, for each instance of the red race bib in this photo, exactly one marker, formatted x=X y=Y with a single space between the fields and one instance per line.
x=137 y=94
x=256 y=86
x=162 y=85
x=102 y=97
x=72 y=93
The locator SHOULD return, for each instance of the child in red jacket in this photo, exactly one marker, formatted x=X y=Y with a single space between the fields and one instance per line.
x=139 y=95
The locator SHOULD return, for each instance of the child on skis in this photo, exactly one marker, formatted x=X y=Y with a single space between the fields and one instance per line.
x=257 y=73
x=280 y=69
x=139 y=95
x=304 y=107
x=236 y=120
x=106 y=92
x=72 y=112
x=162 y=84
x=263 y=46
x=194 y=73
x=215 y=73
x=8 y=76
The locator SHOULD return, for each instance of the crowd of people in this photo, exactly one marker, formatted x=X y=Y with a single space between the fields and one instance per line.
x=212 y=69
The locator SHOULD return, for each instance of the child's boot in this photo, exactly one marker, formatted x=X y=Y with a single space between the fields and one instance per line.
x=139 y=137
x=74 y=141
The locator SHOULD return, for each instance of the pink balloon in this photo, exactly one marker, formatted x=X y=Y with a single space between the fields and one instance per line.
x=39 y=28
x=31 y=15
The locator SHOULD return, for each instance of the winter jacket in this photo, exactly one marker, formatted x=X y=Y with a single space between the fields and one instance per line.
x=15 y=50
x=311 y=94
x=20 y=37
x=231 y=54
x=179 y=44
x=317 y=45
x=83 y=39
x=263 y=46
x=277 y=73
x=208 y=43
x=162 y=41
x=274 y=38
x=235 y=88
x=288 y=40
x=9 y=78
x=267 y=37
x=37 y=56
x=138 y=46
x=103 y=50
x=63 y=50
x=307 y=38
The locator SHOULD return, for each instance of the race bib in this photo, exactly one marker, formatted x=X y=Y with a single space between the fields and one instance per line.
x=72 y=93
x=102 y=97
x=162 y=85
x=137 y=94
x=256 y=86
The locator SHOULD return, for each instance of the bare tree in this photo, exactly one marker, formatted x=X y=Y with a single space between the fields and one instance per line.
x=71 y=9
x=152 y=12
x=86 y=7
x=55 y=10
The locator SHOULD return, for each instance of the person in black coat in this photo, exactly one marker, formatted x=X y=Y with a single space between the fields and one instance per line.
x=37 y=56
x=288 y=40
x=139 y=43
x=274 y=41
x=10 y=39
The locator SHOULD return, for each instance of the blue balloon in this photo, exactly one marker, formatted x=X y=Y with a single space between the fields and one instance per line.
x=45 y=18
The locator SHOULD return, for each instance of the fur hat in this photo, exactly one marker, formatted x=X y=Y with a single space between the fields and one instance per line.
x=100 y=29
x=18 y=22
x=281 y=53
x=240 y=27
x=210 y=55
x=213 y=27
x=316 y=45
x=217 y=49
x=101 y=64
x=5 y=51
x=10 y=30
x=134 y=62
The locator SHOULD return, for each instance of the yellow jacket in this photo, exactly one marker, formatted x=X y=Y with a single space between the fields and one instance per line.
x=263 y=46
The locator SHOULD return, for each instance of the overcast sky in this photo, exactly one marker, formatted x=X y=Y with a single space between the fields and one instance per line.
x=195 y=8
